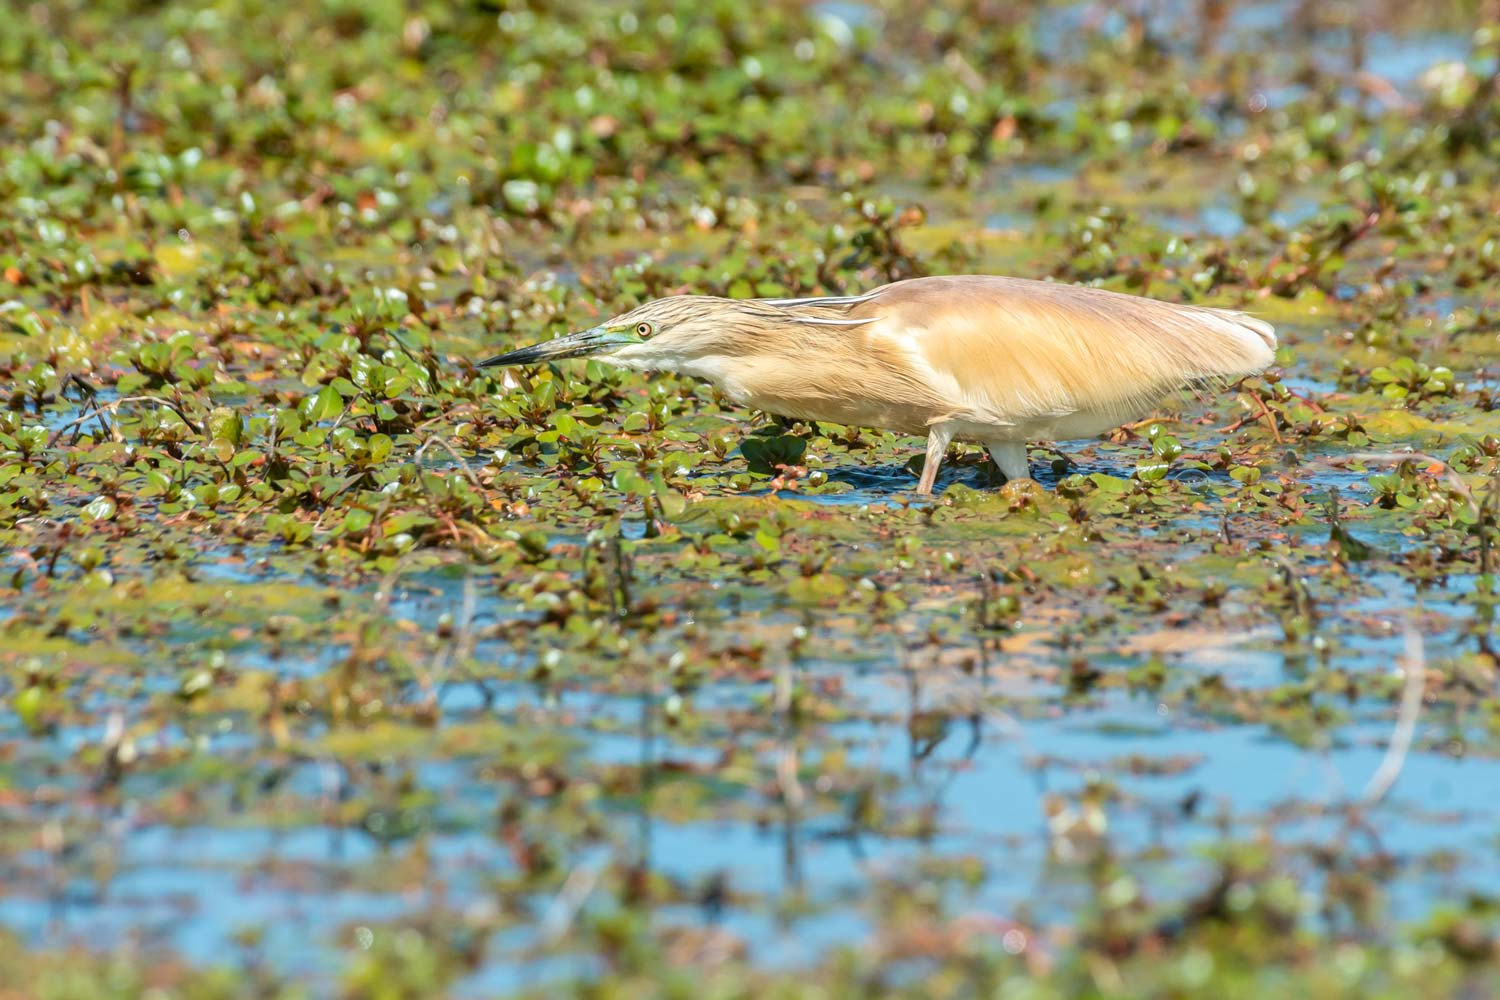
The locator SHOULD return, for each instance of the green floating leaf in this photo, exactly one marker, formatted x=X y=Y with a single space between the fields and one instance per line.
x=672 y=503
x=631 y=482
x=28 y=704
x=1152 y=471
x=99 y=509
x=1165 y=447
x=226 y=426
x=379 y=446
x=765 y=454
x=326 y=405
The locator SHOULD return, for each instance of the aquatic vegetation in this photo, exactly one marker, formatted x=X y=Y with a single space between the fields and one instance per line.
x=333 y=664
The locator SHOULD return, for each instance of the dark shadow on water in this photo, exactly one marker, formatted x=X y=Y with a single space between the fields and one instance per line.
x=881 y=483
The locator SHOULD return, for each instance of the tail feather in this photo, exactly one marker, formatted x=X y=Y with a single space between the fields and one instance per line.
x=1265 y=331
x=1255 y=354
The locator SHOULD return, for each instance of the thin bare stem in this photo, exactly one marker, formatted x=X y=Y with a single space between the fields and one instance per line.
x=1415 y=669
x=114 y=405
x=462 y=464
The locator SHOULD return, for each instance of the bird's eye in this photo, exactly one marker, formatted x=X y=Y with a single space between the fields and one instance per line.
x=643 y=329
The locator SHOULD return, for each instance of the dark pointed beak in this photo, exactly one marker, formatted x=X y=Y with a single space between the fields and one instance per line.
x=574 y=345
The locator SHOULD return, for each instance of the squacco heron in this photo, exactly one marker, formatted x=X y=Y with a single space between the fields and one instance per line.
x=1001 y=361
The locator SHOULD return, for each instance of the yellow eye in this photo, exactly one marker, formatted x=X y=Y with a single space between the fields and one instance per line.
x=643 y=329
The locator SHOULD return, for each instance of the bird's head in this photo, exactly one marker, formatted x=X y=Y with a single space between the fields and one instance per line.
x=678 y=333
x=656 y=335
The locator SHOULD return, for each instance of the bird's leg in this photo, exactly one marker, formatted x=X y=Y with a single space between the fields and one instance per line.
x=1010 y=456
x=938 y=436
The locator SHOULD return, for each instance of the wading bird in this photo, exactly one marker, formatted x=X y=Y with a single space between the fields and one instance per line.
x=997 y=360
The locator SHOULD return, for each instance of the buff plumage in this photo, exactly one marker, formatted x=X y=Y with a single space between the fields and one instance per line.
x=997 y=360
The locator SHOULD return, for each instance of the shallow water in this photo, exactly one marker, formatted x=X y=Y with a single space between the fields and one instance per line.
x=1005 y=745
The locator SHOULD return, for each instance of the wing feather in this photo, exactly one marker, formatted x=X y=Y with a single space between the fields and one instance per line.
x=823 y=301
x=1031 y=348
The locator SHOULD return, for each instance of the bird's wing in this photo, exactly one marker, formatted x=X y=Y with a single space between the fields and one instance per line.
x=1037 y=348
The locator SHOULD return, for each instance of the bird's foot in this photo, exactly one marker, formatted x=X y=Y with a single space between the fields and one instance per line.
x=1010 y=458
x=928 y=480
x=937 y=445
